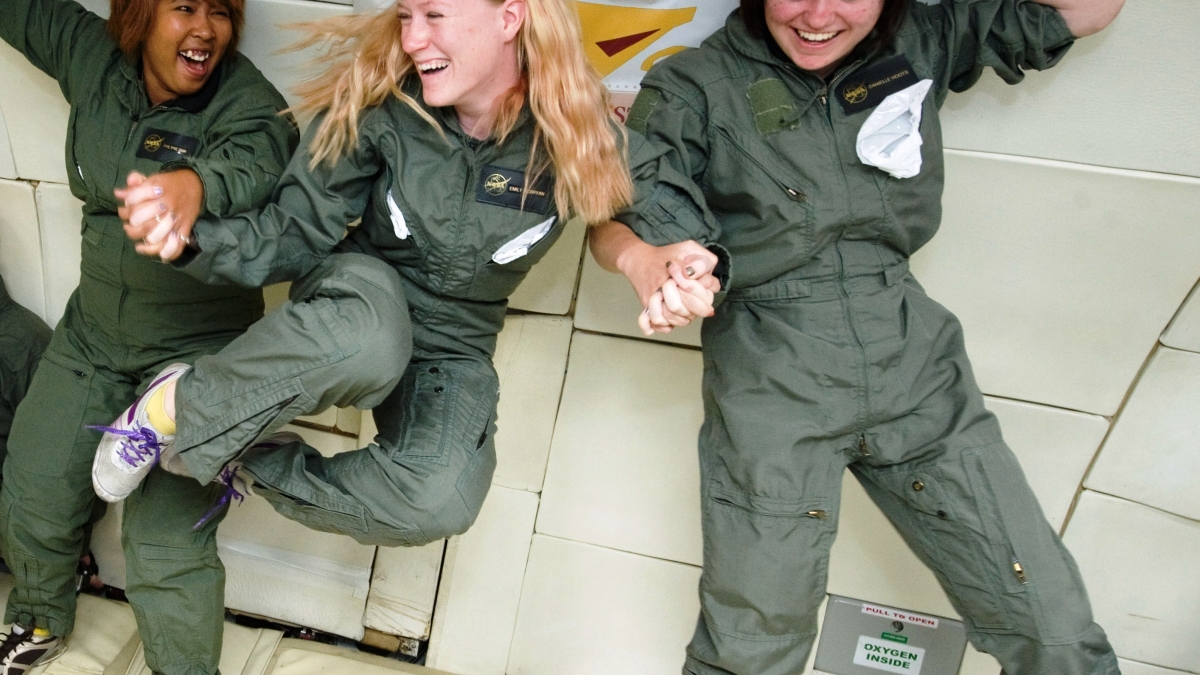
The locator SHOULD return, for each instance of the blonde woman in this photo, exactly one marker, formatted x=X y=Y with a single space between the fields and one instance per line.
x=463 y=133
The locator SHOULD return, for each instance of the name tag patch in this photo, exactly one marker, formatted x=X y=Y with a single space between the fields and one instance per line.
x=505 y=187
x=164 y=146
x=867 y=88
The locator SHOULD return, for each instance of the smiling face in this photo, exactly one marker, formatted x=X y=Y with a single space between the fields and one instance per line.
x=465 y=52
x=187 y=40
x=817 y=35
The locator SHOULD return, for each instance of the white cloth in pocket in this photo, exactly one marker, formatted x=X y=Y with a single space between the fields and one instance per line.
x=521 y=245
x=399 y=225
x=891 y=137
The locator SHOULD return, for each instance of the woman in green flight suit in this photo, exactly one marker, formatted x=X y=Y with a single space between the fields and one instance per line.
x=482 y=127
x=801 y=118
x=158 y=88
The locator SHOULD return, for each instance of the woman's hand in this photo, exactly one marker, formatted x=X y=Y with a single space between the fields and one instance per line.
x=680 y=301
x=160 y=211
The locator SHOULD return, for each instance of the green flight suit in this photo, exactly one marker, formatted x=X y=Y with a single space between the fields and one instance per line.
x=23 y=338
x=825 y=328
x=401 y=317
x=130 y=317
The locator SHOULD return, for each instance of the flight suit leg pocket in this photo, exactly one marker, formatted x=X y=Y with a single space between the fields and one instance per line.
x=445 y=412
x=955 y=539
x=48 y=437
x=1038 y=577
x=765 y=563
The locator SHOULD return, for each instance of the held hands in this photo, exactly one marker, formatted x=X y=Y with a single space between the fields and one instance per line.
x=160 y=211
x=674 y=283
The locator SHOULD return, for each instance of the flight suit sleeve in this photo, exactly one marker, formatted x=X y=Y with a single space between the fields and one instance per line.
x=244 y=157
x=60 y=38
x=1009 y=36
x=307 y=216
x=668 y=155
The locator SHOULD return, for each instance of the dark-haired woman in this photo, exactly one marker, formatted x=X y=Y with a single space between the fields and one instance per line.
x=160 y=90
x=813 y=127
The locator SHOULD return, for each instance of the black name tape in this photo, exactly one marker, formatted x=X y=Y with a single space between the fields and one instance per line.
x=164 y=146
x=505 y=187
x=867 y=88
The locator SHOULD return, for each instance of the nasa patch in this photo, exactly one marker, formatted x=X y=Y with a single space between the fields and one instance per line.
x=164 y=146
x=505 y=187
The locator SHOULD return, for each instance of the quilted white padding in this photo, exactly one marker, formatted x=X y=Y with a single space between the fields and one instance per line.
x=21 y=247
x=36 y=115
x=403 y=589
x=1063 y=275
x=1141 y=564
x=481 y=586
x=623 y=471
x=1184 y=331
x=8 y=165
x=244 y=651
x=531 y=361
x=1151 y=456
x=586 y=609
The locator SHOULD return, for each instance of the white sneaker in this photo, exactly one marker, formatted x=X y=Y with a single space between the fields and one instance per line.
x=22 y=650
x=131 y=446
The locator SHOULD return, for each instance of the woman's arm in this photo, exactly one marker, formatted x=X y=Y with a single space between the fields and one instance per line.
x=1086 y=17
x=60 y=38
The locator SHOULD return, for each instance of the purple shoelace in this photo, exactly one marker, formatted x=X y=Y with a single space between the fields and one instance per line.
x=139 y=444
x=231 y=494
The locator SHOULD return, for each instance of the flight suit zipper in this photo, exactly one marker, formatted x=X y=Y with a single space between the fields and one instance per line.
x=796 y=195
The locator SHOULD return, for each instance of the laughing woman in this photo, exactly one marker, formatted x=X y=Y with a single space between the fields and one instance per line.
x=158 y=89
x=463 y=133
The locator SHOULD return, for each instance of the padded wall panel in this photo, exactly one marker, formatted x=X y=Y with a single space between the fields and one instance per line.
x=1136 y=668
x=282 y=570
x=20 y=246
x=871 y=562
x=531 y=359
x=307 y=657
x=623 y=471
x=1119 y=98
x=8 y=165
x=36 y=115
x=1055 y=268
x=403 y=589
x=550 y=286
x=1184 y=331
x=244 y=651
x=1151 y=457
x=1140 y=564
x=592 y=610
x=264 y=37
x=60 y=216
x=607 y=304
x=481 y=586
x=102 y=630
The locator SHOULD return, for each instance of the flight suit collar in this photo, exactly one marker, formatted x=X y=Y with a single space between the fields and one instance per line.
x=133 y=94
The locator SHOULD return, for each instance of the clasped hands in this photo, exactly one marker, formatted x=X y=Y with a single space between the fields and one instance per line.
x=675 y=283
x=159 y=211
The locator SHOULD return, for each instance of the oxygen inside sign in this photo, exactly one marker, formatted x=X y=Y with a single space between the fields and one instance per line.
x=888 y=656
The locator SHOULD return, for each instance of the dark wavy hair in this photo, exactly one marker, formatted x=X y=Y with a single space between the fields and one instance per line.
x=129 y=23
x=753 y=13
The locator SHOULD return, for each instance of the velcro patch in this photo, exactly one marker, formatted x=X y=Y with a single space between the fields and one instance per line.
x=868 y=87
x=164 y=146
x=643 y=105
x=774 y=109
x=505 y=187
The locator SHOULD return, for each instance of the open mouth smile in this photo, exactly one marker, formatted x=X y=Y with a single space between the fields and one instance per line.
x=816 y=38
x=434 y=66
x=195 y=61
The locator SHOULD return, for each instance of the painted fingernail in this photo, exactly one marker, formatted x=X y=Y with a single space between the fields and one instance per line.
x=690 y=271
x=162 y=207
x=158 y=192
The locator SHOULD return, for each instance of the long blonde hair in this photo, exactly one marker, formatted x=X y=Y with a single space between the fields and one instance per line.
x=574 y=132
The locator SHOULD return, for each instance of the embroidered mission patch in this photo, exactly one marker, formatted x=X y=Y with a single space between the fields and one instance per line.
x=505 y=187
x=868 y=87
x=164 y=146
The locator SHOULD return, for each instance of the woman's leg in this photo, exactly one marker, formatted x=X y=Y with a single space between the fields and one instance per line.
x=174 y=579
x=944 y=476
x=342 y=339
x=47 y=498
x=423 y=480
